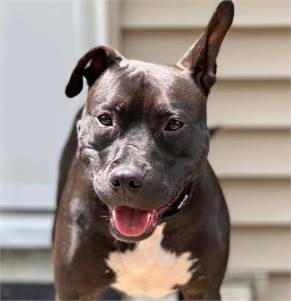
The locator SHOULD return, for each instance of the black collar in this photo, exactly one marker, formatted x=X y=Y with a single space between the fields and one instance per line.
x=178 y=205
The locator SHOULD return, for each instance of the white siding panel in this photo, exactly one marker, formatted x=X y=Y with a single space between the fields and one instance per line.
x=25 y=231
x=27 y=196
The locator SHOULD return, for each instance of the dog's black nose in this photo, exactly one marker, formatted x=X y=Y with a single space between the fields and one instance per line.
x=126 y=179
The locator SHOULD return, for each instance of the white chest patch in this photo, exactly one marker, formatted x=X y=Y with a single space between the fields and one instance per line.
x=149 y=269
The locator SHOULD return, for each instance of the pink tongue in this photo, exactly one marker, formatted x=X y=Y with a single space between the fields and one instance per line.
x=131 y=222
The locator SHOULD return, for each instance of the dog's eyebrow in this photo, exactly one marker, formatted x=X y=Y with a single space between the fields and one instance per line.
x=116 y=106
x=162 y=107
x=166 y=112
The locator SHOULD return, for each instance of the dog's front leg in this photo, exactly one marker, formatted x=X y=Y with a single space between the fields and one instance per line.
x=196 y=289
x=96 y=295
x=184 y=295
x=188 y=294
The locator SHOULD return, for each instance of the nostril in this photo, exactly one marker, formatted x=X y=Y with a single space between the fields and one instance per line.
x=125 y=179
x=115 y=182
x=134 y=184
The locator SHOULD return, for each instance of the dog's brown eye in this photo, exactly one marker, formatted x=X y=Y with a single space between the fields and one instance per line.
x=173 y=125
x=105 y=119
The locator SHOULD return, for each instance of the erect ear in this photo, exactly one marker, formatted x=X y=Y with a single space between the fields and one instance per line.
x=200 y=59
x=91 y=65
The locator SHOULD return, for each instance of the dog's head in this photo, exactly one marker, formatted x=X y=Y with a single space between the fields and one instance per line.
x=143 y=133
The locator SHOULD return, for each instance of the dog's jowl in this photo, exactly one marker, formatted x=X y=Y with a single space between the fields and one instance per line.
x=139 y=207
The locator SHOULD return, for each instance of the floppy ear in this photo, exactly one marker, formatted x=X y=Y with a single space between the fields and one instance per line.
x=200 y=59
x=91 y=65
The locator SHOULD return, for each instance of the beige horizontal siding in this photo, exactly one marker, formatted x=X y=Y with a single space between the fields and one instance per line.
x=250 y=104
x=279 y=287
x=251 y=153
x=185 y=13
x=261 y=248
x=245 y=53
x=258 y=202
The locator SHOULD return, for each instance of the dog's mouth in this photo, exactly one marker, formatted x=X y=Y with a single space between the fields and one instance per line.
x=133 y=224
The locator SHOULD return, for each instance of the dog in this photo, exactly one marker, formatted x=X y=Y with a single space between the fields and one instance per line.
x=139 y=207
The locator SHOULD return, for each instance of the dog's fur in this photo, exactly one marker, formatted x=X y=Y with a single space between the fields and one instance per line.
x=167 y=159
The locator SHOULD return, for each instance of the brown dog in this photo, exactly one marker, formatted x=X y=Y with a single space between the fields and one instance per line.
x=139 y=207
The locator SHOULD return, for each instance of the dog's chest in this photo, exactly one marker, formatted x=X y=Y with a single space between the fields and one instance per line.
x=149 y=269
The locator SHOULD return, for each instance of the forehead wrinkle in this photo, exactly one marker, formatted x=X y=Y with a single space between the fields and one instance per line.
x=157 y=82
x=137 y=83
x=150 y=72
x=107 y=84
x=105 y=90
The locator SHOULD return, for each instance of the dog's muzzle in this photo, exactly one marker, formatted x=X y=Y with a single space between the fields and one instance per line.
x=132 y=224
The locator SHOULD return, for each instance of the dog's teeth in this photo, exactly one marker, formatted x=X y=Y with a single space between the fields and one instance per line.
x=113 y=214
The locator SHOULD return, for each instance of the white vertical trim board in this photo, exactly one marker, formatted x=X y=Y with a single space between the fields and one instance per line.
x=100 y=22
x=79 y=26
